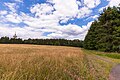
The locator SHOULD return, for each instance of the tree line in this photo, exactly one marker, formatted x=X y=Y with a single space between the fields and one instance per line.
x=56 y=42
x=104 y=33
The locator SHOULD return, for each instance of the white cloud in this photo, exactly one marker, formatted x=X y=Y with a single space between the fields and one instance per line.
x=114 y=2
x=21 y=1
x=92 y=3
x=13 y=17
x=62 y=13
x=41 y=9
x=57 y=35
x=111 y=4
x=84 y=11
x=79 y=3
x=101 y=9
x=63 y=9
x=47 y=17
x=3 y=12
x=72 y=29
x=49 y=23
x=71 y=32
x=69 y=10
x=95 y=16
x=7 y=30
x=45 y=21
x=60 y=9
x=11 y=6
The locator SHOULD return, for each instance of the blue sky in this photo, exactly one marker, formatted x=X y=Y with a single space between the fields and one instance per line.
x=50 y=18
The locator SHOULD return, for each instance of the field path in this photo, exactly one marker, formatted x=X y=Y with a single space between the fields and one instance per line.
x=115 y=73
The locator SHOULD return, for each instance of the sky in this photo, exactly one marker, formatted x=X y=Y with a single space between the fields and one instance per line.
x=68 y=19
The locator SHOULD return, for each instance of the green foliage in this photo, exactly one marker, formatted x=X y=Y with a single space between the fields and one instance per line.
x=104 y=34
x=115 y=56
x=4 y=39
x=7 y=40
x=56 y=42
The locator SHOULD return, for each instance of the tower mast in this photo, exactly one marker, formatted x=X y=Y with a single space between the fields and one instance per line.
x=15 y=36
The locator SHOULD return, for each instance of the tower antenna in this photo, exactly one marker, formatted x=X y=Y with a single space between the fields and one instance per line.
x=15 y=36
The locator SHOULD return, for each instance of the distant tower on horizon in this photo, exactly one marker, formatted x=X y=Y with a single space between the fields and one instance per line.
x=15 y=36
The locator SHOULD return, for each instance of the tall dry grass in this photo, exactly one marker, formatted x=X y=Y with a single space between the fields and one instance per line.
x=33 y=62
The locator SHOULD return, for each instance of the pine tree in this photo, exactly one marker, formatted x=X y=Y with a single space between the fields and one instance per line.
x=104 y=34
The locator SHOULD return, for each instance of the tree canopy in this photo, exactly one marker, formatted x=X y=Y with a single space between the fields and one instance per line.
x=56 y=42
x=104 y=33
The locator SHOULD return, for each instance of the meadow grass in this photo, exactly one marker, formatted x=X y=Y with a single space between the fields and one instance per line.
x=34 y=62
x=111 y=55
x=104 y=54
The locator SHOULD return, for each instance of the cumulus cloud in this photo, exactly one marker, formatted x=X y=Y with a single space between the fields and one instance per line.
x=114 y=2
x=92 y=3
x=41 y=9
x=63 y=10
x=25 y=33
x=45 y=21
x=13 y=17
x=11 y=6
x=84 y=11
x=46 y=17
x=21 y=1
x=111 y=4
x=60 y=9
x=28 y=32
x=71 y=32
x=3 y=12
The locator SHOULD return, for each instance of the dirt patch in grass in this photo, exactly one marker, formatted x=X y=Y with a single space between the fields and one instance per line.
x=115 y=73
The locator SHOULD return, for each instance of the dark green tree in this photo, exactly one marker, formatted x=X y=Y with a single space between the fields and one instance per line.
x=4 y=40
x=104 y=34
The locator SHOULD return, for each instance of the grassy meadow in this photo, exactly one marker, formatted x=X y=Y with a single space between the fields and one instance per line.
x=35 y=62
